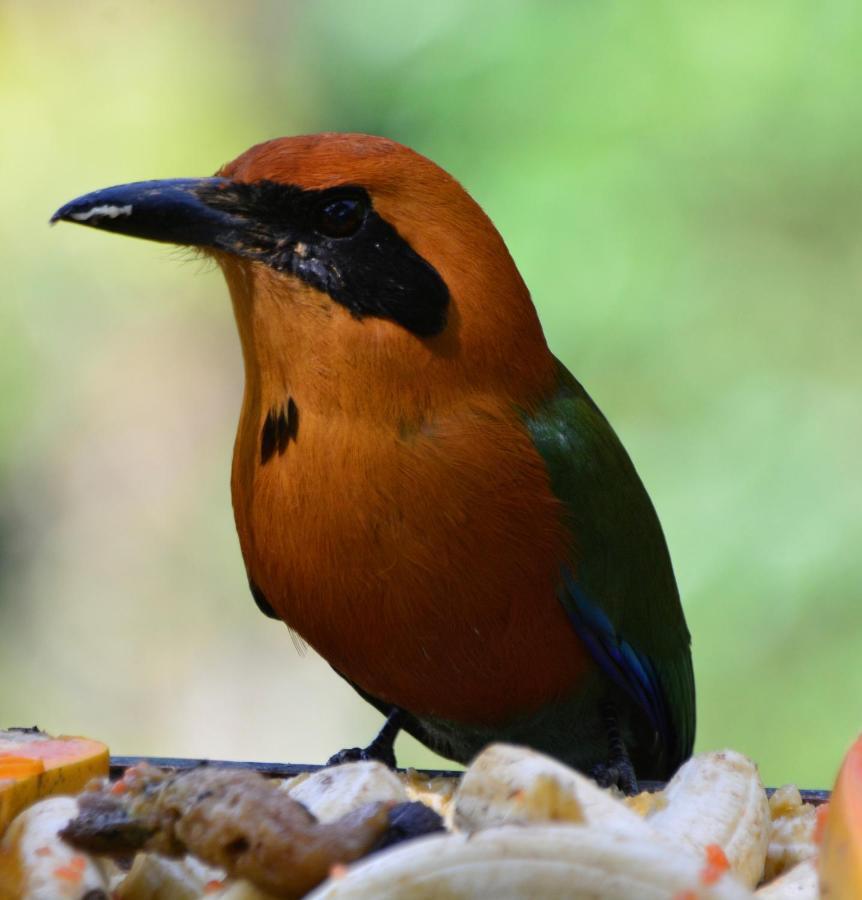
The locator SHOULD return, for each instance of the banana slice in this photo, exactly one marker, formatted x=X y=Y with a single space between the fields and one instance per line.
x=718 y=798
x=36 y=864
x=436 y=791
x=507 y=784
x=331 y=793
x=154 y=877
x=570 y=862
x=799 y=883
x=791 y=833
x=239 y=890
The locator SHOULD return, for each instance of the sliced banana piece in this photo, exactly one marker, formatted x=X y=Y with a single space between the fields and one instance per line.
x=799 y=883
x=154 y=877
x=791 y=833
x=569 y=862
x=718 y=798
x=36 y=864
x=436 y=791
x=333 y=792
x=239 y=890
x=507 y=784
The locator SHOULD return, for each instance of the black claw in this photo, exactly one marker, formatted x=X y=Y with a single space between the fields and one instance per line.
x=349 y=754
x=602 y=774
x=381 y=749
x=363 y=754
x=618 y=771
x=620 y=774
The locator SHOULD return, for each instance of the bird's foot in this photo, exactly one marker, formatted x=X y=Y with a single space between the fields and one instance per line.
x=381 y=749
x=619 y=774
x=618 y=771
x=363 y=754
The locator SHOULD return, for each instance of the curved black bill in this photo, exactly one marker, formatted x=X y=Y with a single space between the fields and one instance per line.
x=177 y=211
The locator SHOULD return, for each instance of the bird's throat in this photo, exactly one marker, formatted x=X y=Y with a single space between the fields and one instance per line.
x=373 y=488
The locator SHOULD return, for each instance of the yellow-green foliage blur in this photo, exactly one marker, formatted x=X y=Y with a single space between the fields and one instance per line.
x=681 y=185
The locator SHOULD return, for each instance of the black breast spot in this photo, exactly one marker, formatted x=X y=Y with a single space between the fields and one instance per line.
x=280 y=427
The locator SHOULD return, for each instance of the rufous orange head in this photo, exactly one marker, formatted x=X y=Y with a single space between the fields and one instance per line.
x=353 y=263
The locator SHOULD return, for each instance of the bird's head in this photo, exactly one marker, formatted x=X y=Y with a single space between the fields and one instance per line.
x=350 y=258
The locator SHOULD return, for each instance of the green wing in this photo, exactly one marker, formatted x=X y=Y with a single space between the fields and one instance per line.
x=618 y=585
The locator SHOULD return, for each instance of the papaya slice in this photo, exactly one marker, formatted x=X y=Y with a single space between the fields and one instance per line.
x=841 y=848
x=34 y=765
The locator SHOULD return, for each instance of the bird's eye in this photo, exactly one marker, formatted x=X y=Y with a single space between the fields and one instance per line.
x=341 y=217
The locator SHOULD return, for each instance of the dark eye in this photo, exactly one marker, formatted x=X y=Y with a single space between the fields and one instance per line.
x=341 y=217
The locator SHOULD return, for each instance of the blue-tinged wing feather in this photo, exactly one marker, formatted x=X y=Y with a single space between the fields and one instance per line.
x=631 y=671
x=617 y=587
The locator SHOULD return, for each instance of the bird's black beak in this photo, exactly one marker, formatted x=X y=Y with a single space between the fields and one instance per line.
x=190 y=211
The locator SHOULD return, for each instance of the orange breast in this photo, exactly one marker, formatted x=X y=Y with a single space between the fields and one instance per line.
x=422 y=565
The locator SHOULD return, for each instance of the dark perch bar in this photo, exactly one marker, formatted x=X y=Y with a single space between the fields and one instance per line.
x=119 y=764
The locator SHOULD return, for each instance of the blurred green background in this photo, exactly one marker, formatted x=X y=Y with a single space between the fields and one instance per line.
x=681 y=185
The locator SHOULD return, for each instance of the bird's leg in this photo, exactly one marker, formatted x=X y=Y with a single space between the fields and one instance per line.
x=382 y=748
x=618 y=771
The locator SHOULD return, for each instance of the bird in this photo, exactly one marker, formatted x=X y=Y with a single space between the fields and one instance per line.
x=422 y=491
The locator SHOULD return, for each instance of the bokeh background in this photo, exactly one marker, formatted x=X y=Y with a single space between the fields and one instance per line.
x=681 y=185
